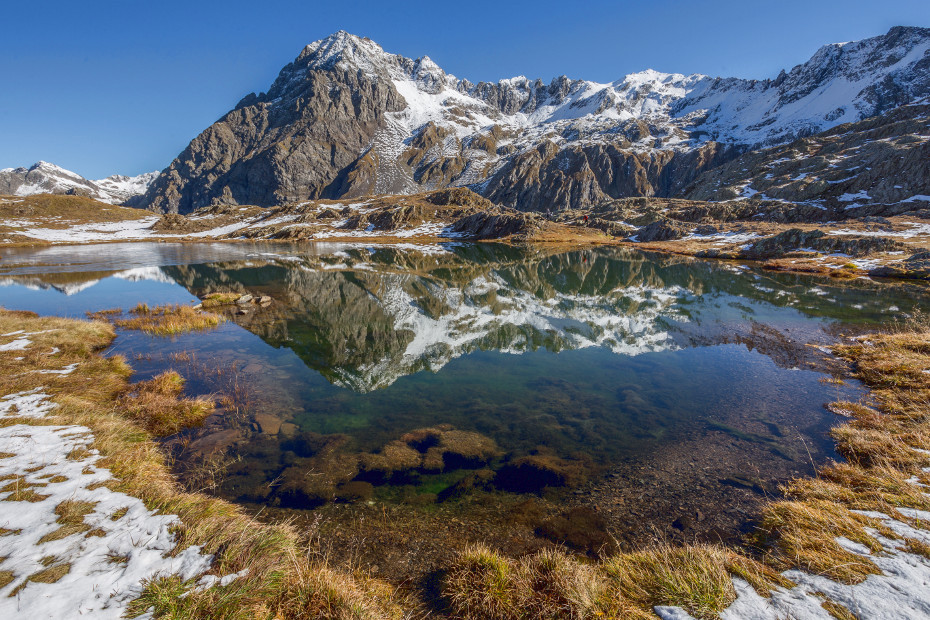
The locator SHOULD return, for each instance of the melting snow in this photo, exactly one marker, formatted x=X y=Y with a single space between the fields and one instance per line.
x=123 y=543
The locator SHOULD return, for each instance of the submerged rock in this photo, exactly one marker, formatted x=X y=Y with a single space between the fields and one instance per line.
x=394 y=458
x=581 y=528
x=474 y=481
x=437 y=449
x=356 y=490
x=312 y=482
x=532 y=474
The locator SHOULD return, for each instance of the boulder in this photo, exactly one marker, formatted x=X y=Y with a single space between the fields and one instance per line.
x=662 y=230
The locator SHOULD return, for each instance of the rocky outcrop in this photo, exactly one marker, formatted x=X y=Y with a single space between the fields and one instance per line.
x=662 y=230
x=879 y=166
x=553 y=178
x=914 y=267
x=498 y=224
x=794 y=239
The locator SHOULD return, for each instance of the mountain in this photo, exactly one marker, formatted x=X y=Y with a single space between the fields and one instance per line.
x=347 y=119
x=879 y=166
x=46 y=178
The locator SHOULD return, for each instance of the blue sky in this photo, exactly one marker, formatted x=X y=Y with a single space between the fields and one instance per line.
x=106 y=87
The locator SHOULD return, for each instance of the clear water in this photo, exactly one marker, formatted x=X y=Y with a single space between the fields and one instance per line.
x=599 y=360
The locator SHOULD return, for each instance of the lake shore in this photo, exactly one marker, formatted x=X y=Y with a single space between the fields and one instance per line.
x=874 y=502
x=888 y=248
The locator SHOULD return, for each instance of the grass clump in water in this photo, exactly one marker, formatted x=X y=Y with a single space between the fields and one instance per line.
x=214 y=300
x=169 y=320
x=157 y=406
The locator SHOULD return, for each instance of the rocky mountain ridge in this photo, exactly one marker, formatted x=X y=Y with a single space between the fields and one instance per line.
x=347 y=119
x=45 y=178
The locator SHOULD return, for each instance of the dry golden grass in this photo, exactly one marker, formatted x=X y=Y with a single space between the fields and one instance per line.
x=157 y=406
x=884 y=446
x=697 y=578
x=483 y=584
x=71 y=515
x=50 y=574
x=53 y=211
x=551 y=584
x=838 y=611
x=169 y=320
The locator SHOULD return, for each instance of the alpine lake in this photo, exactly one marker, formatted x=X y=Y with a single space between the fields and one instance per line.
x=396 y=402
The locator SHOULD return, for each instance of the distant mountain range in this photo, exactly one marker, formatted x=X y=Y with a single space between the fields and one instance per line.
x=46 y=178
x=347 y=119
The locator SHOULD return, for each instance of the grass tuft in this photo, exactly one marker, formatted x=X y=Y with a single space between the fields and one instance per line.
x=169 y=320
x=220 y=299
x=71 y=515
x=156 y=405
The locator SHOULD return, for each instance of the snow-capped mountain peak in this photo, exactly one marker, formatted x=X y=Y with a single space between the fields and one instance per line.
x=344 y=49
x=47 y=178
x=358 y=120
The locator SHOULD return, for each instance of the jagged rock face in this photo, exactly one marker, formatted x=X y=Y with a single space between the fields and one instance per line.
x=347 y=119
x=549 y=178
x=46 y=178
x=879 y=166
x=287 y=145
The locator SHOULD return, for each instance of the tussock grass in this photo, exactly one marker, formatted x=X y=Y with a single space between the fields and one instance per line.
x=551 y=584
x=697 y=578
x=169 y=320
x=484 y=584
x=157 y=406
x=884 y=444
x=807 y=532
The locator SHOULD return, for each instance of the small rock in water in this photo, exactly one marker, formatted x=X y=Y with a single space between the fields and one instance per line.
x=268 y=424
x=244 y=299
x=264 y=299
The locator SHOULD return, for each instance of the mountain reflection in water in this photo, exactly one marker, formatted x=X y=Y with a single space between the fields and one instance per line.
x=466 y=378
